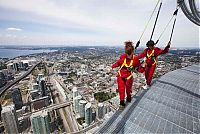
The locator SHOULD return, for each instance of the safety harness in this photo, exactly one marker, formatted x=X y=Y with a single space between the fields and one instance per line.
x=129 y=67
x=149 y=56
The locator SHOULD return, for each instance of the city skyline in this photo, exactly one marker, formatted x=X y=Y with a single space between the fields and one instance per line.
x=90 y=23
x=76 y=91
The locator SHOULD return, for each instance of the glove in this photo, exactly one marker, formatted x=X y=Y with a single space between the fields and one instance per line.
x=168 y=44
x=130 y=68
x=143 y=63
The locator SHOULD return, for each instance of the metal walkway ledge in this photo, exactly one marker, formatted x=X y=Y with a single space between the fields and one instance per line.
x=115 y=123
x=171 y=105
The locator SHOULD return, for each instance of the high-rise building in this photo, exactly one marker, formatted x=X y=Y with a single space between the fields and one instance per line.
x=39 y=78
x=2 y=79
x=9 y=119
x=43 y=87
x=17 y=98
x=25 y=66
x=34 y=92
x=76 y=103
x=10 y=67
x=16 y=67
x=0 y=111
x=2 y=76
x=40 y=122
x=106 y=108
x=82 y=104
x=21 y=65
x=94 y=115
x=74 y=93
x=88 y=113
x=100 y=110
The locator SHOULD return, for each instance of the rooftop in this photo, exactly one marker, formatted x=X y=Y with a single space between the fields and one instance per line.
x=171 y=105
x=8 y=108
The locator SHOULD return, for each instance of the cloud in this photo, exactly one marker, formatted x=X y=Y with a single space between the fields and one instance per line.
x=92 y=20
x=112 y=16
x=13 y=29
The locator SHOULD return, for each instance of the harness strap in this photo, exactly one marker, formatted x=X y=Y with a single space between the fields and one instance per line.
x=151 y=55
x=127 y=66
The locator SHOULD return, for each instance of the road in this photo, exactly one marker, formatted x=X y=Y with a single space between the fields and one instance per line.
x=68 y=112
x=49 y=108
x=3 y=89
x=71 y=121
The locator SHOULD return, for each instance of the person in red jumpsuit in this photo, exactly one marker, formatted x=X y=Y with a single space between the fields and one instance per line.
x=150 y=54
x=127 y=63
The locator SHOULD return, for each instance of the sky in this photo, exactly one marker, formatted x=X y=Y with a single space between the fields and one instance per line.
x=91 y=22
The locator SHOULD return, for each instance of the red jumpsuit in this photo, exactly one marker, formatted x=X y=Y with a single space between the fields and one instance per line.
x=151 y=56
x=123 y=82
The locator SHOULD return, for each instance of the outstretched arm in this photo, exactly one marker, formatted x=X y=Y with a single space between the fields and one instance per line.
x=165 y=50
x=119 y=62
x=138 y=67
x=142 y=55
x=116 y=64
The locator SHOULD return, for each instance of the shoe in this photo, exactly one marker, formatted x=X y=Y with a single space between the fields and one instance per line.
x=121 y=108
x=128 y=99
x=122 y=103
x=146 y=87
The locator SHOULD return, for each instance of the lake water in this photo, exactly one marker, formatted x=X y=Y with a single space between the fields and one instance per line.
x=11 y=53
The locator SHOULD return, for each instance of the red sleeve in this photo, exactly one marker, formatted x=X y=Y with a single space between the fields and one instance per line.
x=160 y=51
x=142 y=55
x=116 y=64
x=141 y=69
x=138 y=66
x=119 y=62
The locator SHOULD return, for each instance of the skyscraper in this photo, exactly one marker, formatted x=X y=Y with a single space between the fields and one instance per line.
x=2 y=79
x=74 y=93
x=21 y=65
x=76 y=103
x=43 y=87
x=82 y=104
x=26 y=66
x=106 y=108
x=100 y=111
x=10 y=67
x=0 y=111
x=40 y=122
x=17 y=98
x=16 y=67
x=40 y=76
x=88 y=113
x=9 y=119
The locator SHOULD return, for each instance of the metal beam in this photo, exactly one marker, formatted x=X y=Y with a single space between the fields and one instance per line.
x=194 y=9
x=187 y=13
